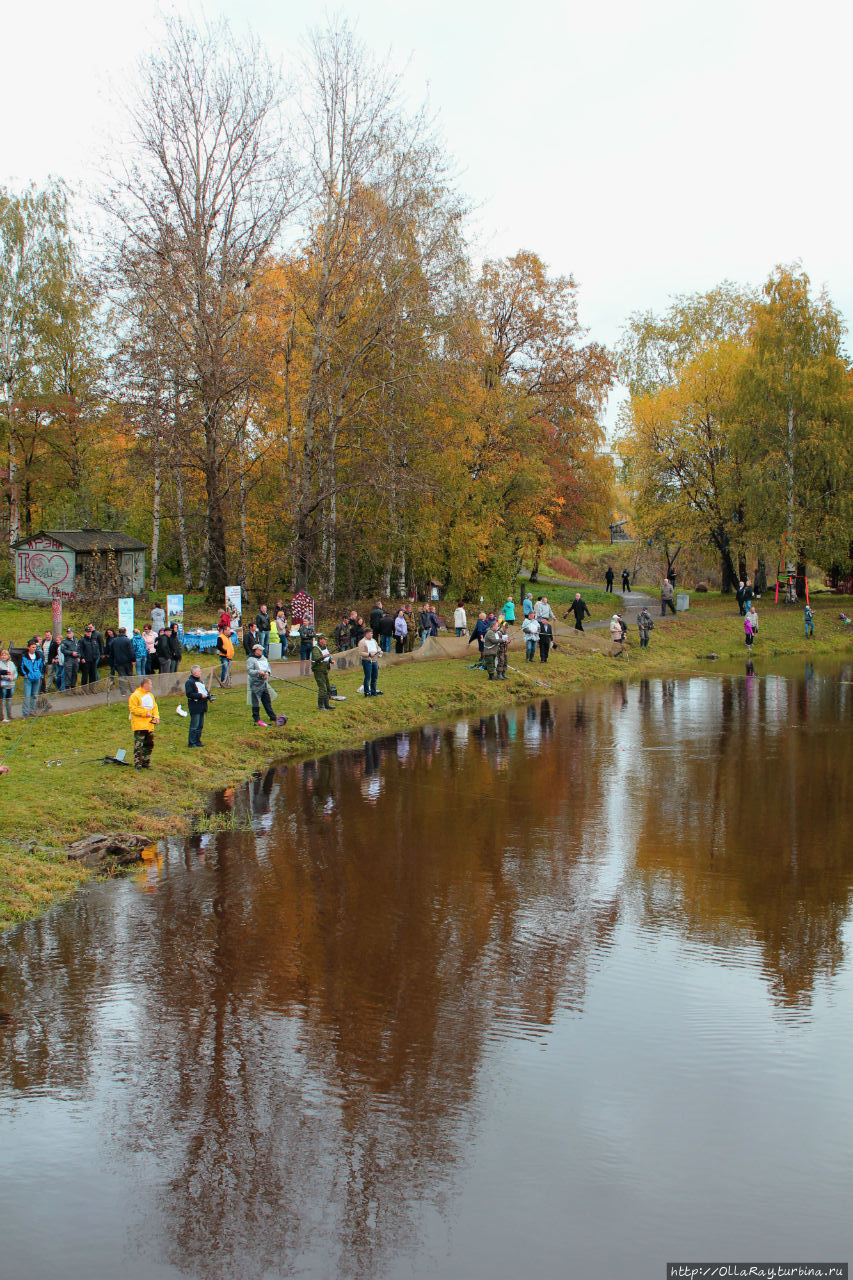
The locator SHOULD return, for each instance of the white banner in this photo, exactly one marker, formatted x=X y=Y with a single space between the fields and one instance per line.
x=125 y=614
x=175 y=610
x=234 y=602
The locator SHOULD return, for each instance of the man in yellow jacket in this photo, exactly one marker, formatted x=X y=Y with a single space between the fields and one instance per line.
x=143 y=716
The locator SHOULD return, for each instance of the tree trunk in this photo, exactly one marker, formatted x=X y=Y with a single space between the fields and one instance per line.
x=760 y=582
x=741 y=566
x=155 y=520
x=216 y=549
x=204 y=567
x=244 y=524
x=801 y=571
x=14 y=488
x=180 y=520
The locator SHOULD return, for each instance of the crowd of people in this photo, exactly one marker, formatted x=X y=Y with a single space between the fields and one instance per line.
x=58 y=662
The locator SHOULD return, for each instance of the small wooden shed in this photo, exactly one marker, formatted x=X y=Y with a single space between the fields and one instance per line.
x=65 y=563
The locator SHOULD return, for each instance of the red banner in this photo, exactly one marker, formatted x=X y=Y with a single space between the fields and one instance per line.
x=302 y=608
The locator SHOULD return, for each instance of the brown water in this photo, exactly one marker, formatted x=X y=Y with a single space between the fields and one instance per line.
x=564 y=992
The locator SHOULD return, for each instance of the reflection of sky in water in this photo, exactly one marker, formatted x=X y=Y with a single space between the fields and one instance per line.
x=519 y=996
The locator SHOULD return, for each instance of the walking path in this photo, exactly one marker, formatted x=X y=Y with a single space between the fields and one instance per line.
x=108 y=692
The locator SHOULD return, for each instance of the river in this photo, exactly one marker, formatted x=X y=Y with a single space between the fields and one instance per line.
x=562 y=992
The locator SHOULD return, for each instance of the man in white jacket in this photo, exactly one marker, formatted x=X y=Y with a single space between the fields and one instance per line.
x=368 y=651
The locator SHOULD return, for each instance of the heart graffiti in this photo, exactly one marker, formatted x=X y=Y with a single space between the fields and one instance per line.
x=50 y=571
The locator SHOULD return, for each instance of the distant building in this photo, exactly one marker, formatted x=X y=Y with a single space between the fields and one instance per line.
x=70 y=562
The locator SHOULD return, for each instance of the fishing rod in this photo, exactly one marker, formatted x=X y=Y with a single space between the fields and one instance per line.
x=528 y=676
x=32 y=719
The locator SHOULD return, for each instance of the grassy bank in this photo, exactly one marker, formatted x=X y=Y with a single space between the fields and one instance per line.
x=56 y=791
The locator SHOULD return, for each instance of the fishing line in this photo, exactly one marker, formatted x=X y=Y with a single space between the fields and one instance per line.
x=32 y=719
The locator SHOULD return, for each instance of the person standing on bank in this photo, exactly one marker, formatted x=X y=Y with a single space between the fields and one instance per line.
x=321 y=661
x=412 y=624
x=401 y=630
x=530 y=631
x=626 y=580
x=666 y=594
x=368 y=651
x=546 y=638
x=32 y=669
x=460 y=619
x=491 y=644
x=143 y=717
x=258 y=674
x=509 y=612
x=140 y=653
x=225 y=650
x=198 y=700
x=163 y=652
x=503 y=646
x=262 y=622
x=176 y=649
x=386 y=631
x=478 y=633
x=158 y=617
x=71 y=659
x=808 y=618
x=90 y=655
x=617 y=635
x=123 y=658
x=251 y=637
x=8 y=676
x=608 y=578
x=579 y=608
x=644 y=626
x=306 y=639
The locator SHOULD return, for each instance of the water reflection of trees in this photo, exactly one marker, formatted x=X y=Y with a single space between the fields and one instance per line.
x=744 y=835
x=312 y=1003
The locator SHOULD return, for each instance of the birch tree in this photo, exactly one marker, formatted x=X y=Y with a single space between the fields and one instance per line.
x=205 y=193
x=33 y=226
x=381 y=218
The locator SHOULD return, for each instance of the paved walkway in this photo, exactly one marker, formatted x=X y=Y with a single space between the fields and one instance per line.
x=106 y=694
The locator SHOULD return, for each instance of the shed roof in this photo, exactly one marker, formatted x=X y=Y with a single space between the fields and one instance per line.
x=86 y=539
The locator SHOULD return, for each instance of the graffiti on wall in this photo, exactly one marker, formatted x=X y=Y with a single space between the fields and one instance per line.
x=44 y=569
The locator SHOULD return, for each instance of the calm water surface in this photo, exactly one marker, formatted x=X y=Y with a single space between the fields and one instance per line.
x=563 y=992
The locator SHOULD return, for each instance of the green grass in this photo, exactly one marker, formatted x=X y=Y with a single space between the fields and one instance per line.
x=47 y=805
x=601 y=603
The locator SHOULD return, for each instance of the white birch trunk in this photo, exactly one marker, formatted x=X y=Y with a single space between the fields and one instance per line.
x=180 y=519
x=155 y=522
x=204 y=567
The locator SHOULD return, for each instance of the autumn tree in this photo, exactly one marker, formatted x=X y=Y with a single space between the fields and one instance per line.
x=797 y=409
x=684 y=457
x=382 y=225
x=549 y=386
x=200 y=203
x=33 y=237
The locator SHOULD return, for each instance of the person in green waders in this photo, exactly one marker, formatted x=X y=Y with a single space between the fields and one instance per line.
x=321 y=661
x=492 y=644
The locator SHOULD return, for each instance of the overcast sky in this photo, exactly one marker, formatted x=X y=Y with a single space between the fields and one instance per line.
x=649 y=149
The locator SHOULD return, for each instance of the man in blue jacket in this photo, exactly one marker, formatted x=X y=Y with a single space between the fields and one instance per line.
x=32 y=669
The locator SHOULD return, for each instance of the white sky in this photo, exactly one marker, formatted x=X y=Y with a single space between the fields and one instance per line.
x=650 y=149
